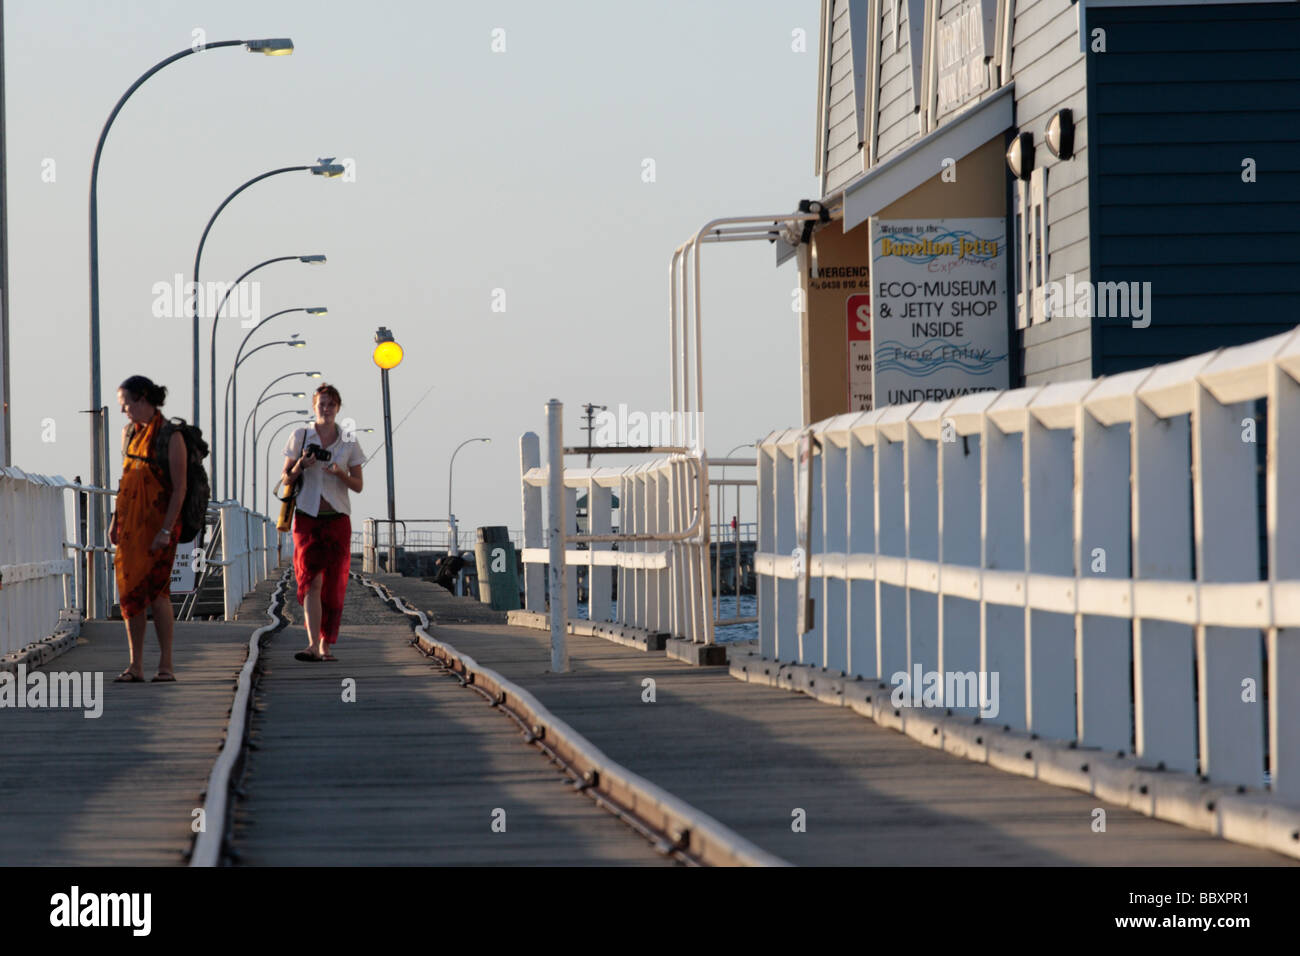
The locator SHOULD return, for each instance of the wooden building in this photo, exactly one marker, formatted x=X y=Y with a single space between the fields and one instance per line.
x=1158 y=219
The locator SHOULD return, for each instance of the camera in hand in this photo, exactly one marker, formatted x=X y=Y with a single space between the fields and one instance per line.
x=319 y=453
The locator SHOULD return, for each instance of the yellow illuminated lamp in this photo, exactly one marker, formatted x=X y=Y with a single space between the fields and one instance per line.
x=388 y=355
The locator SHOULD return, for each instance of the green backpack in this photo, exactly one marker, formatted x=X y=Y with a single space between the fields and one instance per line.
x=194 y=509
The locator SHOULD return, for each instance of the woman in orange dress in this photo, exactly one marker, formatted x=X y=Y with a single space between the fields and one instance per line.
x=146 y=524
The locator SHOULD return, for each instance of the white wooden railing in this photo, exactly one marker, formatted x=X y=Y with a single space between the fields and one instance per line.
x=34 y=566
x=40 y=575
x=1062 y=537
x=662 y=556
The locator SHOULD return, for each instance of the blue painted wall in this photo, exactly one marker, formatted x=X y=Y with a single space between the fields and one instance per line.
x=1180 y=97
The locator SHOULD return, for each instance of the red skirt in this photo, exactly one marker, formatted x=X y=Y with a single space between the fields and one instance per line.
x=323 y=546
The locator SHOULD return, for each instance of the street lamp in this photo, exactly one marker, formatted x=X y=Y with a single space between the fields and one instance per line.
x=266 y=497
x=99 y=425
x=243 y=437
x=293 y=343
x=232 y=390
x=267 y=423
x=273 y=381
x=451 y=518
x=388 y=355
x=325 y=168
x=212 y=348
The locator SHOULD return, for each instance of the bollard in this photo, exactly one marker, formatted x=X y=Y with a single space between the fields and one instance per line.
x=498 y=584
x=556 y=578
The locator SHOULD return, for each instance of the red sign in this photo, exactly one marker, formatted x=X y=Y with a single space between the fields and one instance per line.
x=858 y=307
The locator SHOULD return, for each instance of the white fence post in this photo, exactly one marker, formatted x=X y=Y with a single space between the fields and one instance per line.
x=1103 y=645
x=959 y=457
x=230 y=570
x=1164 y=714
x=1226 y=502
x=834 y=535
x=861 y=617
x=599 y=521
x=1002 y=626
x=557 y=517
x=921 y=483
x=1283 y=565
x=891 y=554
x=1049 y=550
x=534 y=580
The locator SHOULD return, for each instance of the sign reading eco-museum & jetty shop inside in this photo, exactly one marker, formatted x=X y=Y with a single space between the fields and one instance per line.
x=939 y=314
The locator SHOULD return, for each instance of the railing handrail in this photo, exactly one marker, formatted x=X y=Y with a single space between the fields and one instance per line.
x=1076 y=529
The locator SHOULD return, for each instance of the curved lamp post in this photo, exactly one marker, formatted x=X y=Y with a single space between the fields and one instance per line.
x=98 y=428
x=212 y=345
x=325 y=168
x=273 y=381
x=293 y=343
x=266 y=493
x=232 y=390
x=243 y=438
x=451 y=517
x=281 y=414
x=266 y=498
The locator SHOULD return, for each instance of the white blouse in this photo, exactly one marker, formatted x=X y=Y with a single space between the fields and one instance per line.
x=316 y=481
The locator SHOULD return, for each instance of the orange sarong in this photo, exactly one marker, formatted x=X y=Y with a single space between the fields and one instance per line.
x=142 y=575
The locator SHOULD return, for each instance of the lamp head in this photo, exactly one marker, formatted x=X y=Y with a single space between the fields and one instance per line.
x=299 y=394
x=281 y=46
x=317 y=310
x=298 y=344
x=311 y=258
x=328 y=168
x=312 y=374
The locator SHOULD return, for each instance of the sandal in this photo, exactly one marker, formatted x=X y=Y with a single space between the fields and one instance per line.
x=128 y=677
x=307 y=656
x=329 y=657
x=163 y=677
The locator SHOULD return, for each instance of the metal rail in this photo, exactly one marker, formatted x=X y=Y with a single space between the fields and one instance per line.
x=672 y=826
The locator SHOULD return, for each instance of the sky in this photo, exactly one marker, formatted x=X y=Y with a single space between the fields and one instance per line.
x=509 y=214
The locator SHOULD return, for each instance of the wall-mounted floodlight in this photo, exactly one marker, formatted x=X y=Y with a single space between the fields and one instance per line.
x=1060 y=134
x=1020 y=157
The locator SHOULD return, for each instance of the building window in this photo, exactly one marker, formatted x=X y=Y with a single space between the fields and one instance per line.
x=1031 y=250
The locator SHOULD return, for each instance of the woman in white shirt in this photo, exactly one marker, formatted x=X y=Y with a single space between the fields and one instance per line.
x=322 y=528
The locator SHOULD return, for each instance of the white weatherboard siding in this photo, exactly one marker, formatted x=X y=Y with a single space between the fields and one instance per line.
x=843 y=156
x=1050 y=74
x=896 y=122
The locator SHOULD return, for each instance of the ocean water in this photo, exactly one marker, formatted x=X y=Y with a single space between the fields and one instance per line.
x=724 y=634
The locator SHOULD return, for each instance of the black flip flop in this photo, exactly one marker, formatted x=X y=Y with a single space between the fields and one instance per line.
x=126 y=677
x=305 y=656
x=329 y=657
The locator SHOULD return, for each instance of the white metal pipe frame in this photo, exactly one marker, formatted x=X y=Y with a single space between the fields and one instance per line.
x=42 y=581
x=663 y=565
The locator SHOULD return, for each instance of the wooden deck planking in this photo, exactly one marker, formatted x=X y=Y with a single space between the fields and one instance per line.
x=119 y=789
x=750 y=755
x=408 y=774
